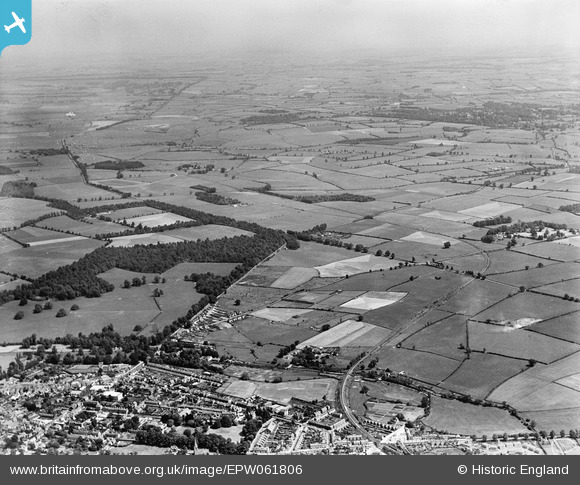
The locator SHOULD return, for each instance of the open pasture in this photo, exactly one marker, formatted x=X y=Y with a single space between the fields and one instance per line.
x=442 y=337
x=393 y=392
x=481 y=373
x=423 y=366
x=7 y=245
x=421 y=293
x=379 y=280
x=259 y=330
x=452 y=416
x=565 y=327
x=568 y=287
x=526 y=305
x=73 y=191
x=15 y=211
x=87 y=227
x=517 y=342
x=476 y=297
x=535 y=389
x=551 y=250
x=309 y=255
x=505 y=261
x=122 y=308
x=35 y=261
x=554 y=419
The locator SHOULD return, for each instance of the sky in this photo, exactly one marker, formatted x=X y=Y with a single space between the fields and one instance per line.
x=159 y=28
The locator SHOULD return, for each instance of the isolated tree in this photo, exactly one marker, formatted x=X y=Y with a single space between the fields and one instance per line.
x=23 y=301
x=19 y=315
x=364 y=389
x=48 y=305
x=37 y=308
x=61 y=313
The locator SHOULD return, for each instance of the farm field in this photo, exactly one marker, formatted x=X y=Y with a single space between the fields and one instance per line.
x=517 y=342
x=156 y=220
x=208 y=231
x=467 y=419
x=88 y=227
x=13 y=212
x=481 y=373
x=443 y=337
x=35 y=261
x=283 y=392
x=526 y=305
x=349 y=333
x=476 y=297
x=423 y=366
x=539 y=276
x=565 y=327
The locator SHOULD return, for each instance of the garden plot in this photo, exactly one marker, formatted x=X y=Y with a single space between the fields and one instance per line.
x=294 y=277
x=374 y=299
x=347 y=333
x=279 y=314
x=362 y=264
x=156 y=220
x=431 y=239
x=492 y=209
